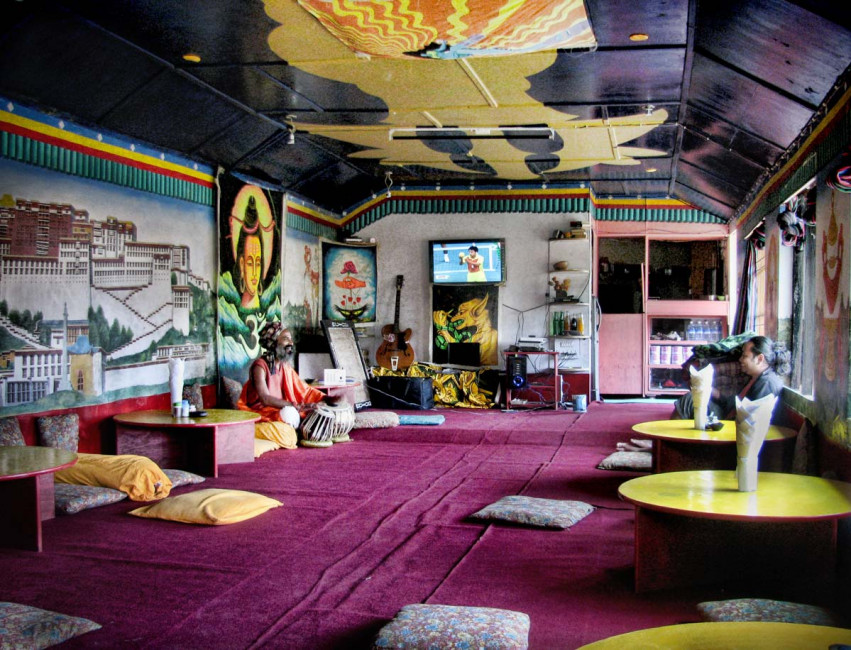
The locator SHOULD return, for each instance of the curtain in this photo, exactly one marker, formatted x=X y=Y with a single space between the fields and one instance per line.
x=746 y=304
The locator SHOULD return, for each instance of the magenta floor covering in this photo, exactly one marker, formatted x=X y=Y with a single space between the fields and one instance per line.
x=367 y=527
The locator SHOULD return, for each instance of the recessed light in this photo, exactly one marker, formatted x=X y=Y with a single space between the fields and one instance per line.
x=192 y=58
x=638 y=36
x=652 y=169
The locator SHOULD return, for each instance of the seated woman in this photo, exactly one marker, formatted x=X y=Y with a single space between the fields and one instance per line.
x=275 y=391
x=763 y=361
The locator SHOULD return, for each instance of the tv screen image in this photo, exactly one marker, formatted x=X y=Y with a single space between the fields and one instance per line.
x=468 y=261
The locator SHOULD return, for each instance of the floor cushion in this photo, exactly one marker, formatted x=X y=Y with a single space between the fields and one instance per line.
x=10 y=433
x=22 y=626
x=447 y=626
x=762 y=609
x=138 y=476
x=376 y=420
x=262 y=446
x=180 y=477
x=71 y=499
x=532 y=511
x=214 y=506
x=638 y=461
x=59 y=431
x=231 y=390
x=192 y=394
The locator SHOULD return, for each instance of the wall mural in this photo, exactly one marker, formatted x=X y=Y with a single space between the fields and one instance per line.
x=302 y=270
x=348 y=282
x=465 y=314
x=832 y=312
x=249 y=292
x=99 y=289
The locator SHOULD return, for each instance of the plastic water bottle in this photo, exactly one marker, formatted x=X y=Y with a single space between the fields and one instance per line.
x=699 y=331
x=690 y=331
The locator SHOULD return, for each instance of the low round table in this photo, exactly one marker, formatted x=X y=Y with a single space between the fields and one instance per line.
x=695 y=527
x=196 y=444
x=677 y=445
x=26 y=492
x=728 y=636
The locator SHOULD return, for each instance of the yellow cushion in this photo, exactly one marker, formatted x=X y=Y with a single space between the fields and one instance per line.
x=138 y=476
x=279 y=432
x=261 y=446
x=212 y=506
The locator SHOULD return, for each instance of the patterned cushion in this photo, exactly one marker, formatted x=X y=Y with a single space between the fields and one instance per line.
x=10 y=433
x=22 y=626
x=71 y=499
x=760 y=609
x=376 y=420
x=446 y=626
x=638 y=461
x=192 y=393
x=60 y=431
x=180 y=477
x=545 y=513
x=231 y=390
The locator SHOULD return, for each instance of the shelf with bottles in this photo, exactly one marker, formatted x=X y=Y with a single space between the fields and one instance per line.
x=686 y=331
x=567 y=324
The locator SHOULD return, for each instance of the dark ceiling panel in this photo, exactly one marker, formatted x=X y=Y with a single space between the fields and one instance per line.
x=45 y=63
x=173 y=112
x=689 y=195
x=721 y=163
x=619 y=77
x=788 y=47
x=730 y=136
x=734 y=98
x=720 y=189
x=614 y=20
x=237 y=141
x=220 y=31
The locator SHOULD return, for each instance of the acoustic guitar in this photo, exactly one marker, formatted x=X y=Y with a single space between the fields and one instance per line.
x=395 y=343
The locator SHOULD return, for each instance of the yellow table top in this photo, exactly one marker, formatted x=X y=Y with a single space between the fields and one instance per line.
x=684 y=431
x=23 y=461
x=727 y=636
x=165 y=418
x=714 y=494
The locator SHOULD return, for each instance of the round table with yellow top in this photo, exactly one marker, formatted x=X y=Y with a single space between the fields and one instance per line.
x=696 y=527
x=677 y=445
x=727 y=636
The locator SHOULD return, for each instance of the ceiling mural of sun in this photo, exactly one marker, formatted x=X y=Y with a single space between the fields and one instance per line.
x=472 y=96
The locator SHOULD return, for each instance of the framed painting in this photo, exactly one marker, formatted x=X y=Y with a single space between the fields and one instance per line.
x=346 y=354
x=348 y=282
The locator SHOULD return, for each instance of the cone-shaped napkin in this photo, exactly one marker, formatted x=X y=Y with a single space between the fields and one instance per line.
x=752 y=421
x=175 y=380
x=701 y=392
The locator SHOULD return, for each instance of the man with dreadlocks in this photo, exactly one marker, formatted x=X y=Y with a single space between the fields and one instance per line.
x=275 y=391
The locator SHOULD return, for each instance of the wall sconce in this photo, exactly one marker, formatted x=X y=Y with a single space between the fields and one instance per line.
x=388 y=182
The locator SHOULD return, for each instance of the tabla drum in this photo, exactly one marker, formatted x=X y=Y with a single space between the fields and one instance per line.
x=328 y=424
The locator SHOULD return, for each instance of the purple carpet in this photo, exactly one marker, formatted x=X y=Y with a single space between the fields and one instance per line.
x=366 y=528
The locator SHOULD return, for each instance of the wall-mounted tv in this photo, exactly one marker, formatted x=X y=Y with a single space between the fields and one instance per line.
x=467 y=261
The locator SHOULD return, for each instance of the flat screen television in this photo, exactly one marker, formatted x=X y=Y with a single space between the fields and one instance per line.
x=467 y=261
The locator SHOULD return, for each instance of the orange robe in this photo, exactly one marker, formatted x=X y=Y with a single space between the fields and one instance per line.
x=284 y=384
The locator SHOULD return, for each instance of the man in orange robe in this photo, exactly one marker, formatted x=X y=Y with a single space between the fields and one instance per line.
x=275 y=391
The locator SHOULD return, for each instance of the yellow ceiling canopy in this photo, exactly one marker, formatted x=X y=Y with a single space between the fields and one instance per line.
x=452 y=29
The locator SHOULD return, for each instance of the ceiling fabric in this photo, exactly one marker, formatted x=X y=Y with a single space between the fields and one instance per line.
x=450 y=30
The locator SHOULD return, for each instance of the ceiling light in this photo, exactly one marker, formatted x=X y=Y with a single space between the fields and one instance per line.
x=388 y=182
x=290 y=135
x=192 y=58
x=638 y=36
x=651 y=170
x=648 y=109
x=473 y=133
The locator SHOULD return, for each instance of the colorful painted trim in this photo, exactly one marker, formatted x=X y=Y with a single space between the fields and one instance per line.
x=557 y=200
x=311 y=220
x=36 y=139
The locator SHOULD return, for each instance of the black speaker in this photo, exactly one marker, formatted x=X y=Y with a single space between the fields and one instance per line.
x=515 y=370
